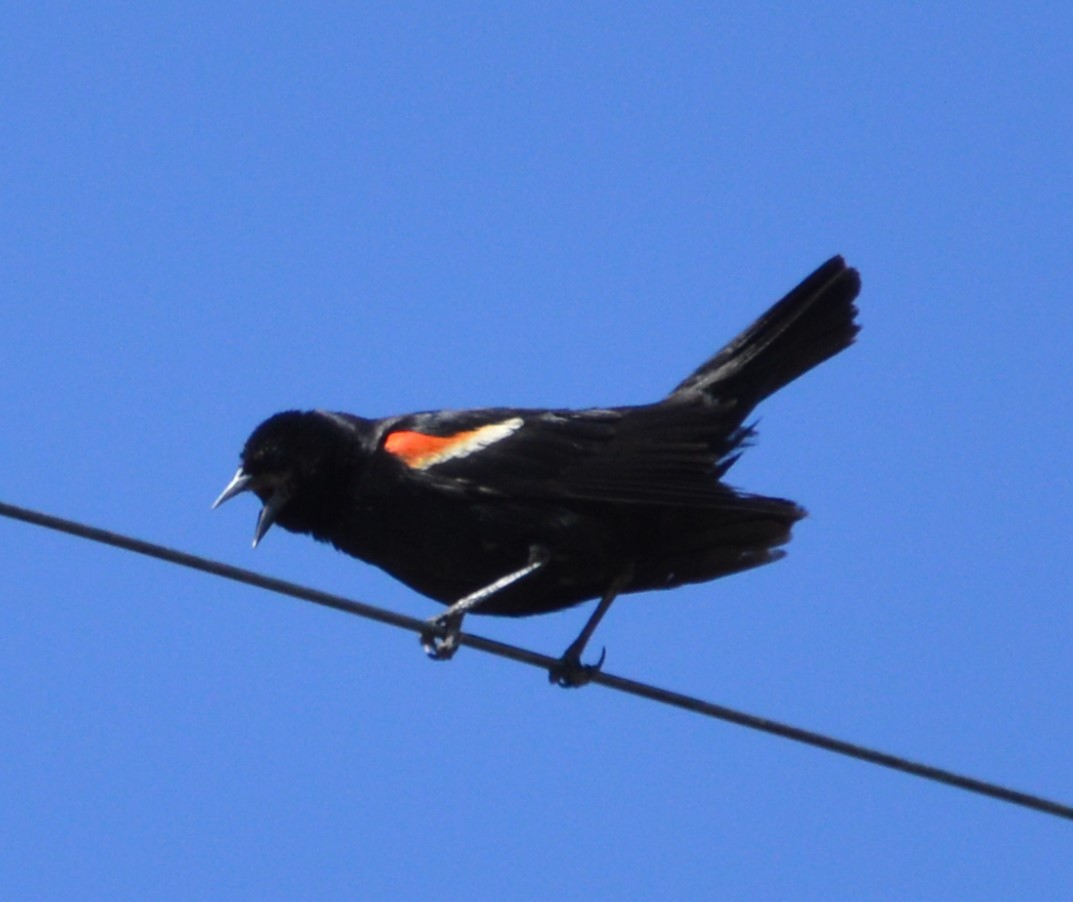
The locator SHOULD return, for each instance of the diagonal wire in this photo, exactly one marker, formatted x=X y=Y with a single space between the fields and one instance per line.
x=544 y=662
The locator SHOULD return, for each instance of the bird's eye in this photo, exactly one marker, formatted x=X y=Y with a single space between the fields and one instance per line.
x=273 y=461
x=264 y=460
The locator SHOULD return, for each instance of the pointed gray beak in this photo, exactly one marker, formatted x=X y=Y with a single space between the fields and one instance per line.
x=238 y=485
x=268 y=516
x=244 y=483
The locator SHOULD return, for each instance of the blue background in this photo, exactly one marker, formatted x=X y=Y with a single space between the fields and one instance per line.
x=210 y=213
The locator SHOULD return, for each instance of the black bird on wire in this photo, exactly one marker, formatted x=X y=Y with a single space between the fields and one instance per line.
x=514 y=512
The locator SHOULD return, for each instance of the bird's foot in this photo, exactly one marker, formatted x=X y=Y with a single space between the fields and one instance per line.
x=439 y=638
x=570 y=673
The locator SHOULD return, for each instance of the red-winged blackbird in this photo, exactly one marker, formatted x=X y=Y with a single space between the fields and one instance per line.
x=513 y=512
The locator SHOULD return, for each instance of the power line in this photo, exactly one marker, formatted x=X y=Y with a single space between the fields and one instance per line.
x=535 y=659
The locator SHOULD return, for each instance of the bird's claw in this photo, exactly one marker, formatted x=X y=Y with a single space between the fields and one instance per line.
x=570 y=673
x=440 y=637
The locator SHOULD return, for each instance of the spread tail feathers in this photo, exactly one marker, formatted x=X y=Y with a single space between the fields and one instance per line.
x=812 y=323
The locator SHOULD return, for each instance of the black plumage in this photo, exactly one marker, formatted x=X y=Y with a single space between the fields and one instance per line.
x=525 y=511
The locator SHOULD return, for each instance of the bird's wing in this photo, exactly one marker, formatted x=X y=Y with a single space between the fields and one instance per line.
x=659 y=454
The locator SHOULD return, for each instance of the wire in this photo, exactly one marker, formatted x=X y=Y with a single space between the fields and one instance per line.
x=544 y=662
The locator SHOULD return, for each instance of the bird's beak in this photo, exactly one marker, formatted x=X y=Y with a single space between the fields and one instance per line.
x=268 y=516
x=243 y=482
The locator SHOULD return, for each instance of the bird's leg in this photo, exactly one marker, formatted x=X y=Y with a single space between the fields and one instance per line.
x=440 y=636
x=569 y=672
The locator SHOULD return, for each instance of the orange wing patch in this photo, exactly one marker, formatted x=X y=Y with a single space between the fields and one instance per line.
x=421 y=451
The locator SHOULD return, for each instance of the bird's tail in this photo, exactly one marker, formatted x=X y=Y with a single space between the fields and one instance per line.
x=812 y=323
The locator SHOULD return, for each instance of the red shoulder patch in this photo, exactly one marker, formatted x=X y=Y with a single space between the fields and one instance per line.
x=413 y=447
x=420 y=450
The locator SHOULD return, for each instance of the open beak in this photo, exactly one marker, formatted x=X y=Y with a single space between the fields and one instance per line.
x=243 y=482
x=268 y=516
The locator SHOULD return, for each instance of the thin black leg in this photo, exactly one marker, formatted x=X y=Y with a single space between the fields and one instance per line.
x=569 y=672
x=440 y=638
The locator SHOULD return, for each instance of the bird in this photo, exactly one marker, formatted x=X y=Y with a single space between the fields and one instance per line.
x=518 y=511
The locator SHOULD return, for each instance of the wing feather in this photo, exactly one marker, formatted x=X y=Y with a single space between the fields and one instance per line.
x=672 y=453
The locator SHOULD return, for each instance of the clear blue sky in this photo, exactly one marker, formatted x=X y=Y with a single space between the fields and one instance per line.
x=211 y=213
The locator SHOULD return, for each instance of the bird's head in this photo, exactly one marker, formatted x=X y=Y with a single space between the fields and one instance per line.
x=287 y=462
